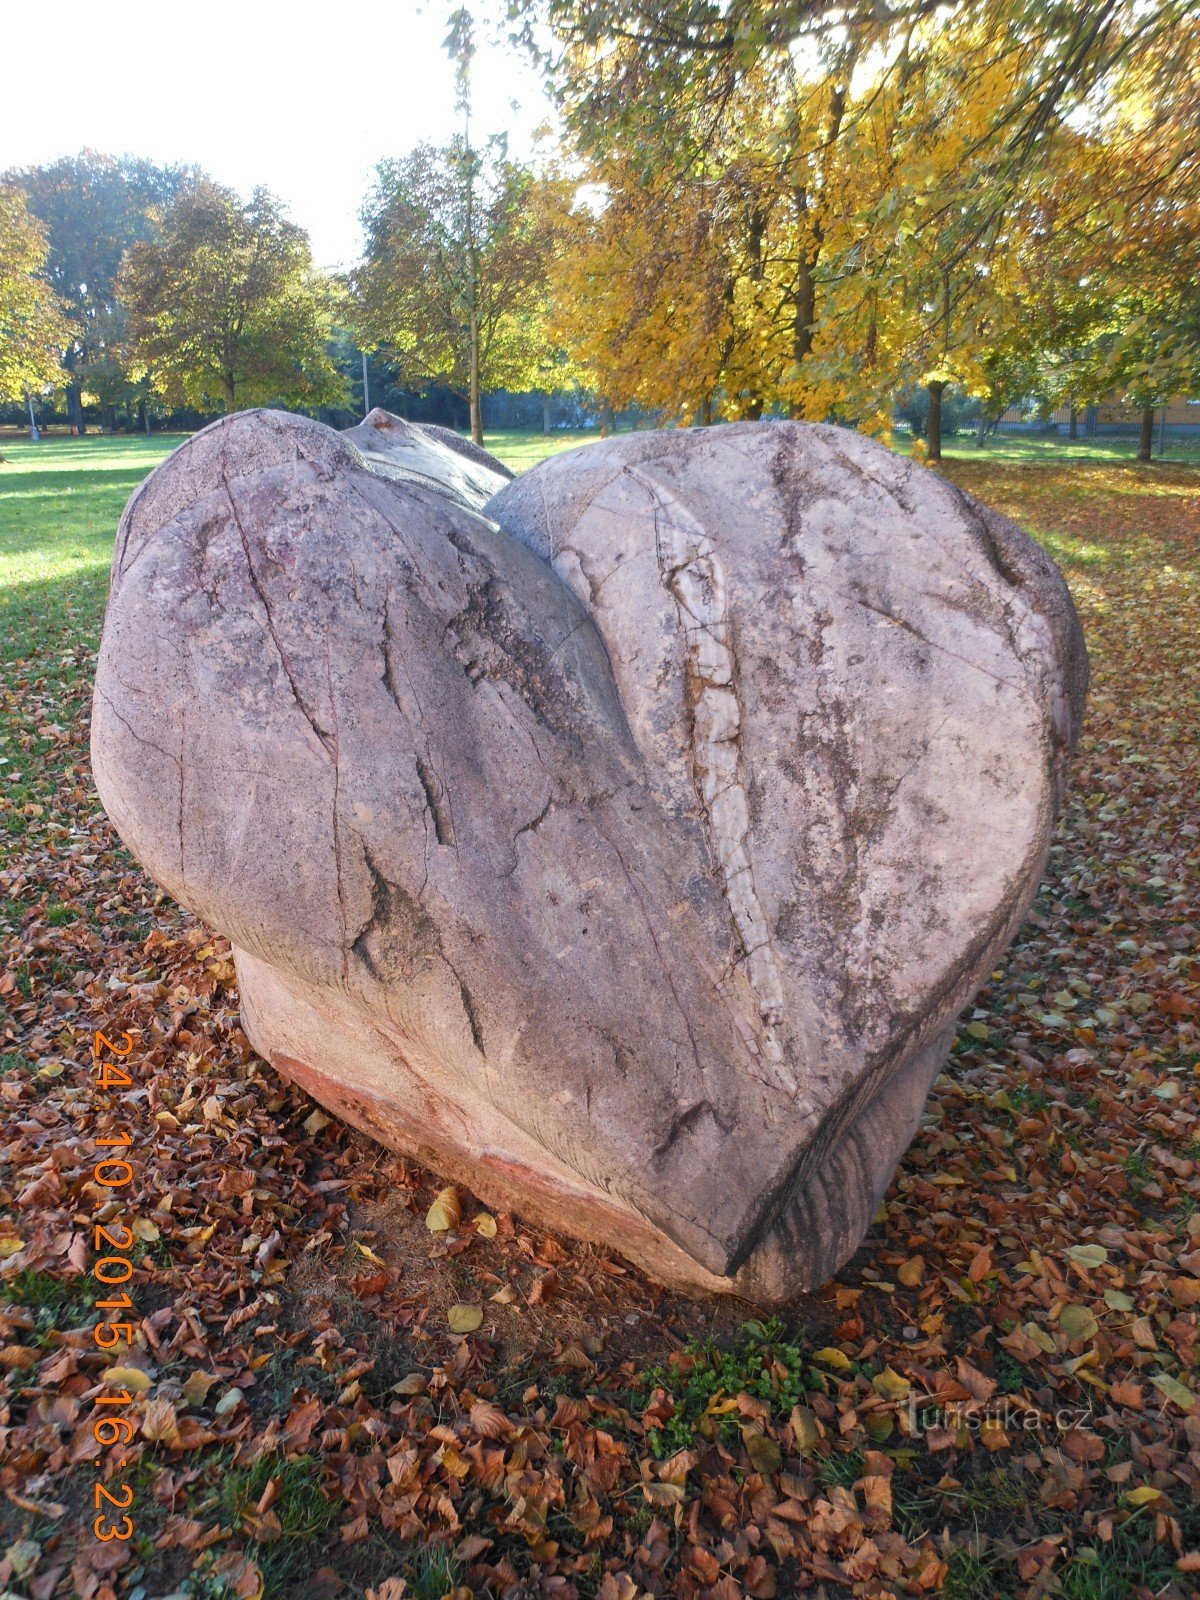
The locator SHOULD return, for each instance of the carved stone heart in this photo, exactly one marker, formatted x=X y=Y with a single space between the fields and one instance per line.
x=623 y=840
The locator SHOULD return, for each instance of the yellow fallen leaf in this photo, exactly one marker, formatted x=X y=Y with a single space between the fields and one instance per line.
x=1173 y=1390
x=1088 y=1255
x=890 y=1384
x=911 y=1272
x=992 y=1435
x=160 y=1424
x=664 y=1494
x=765 y=1454
x=131 y=1378
x=464 y=1319
x=146 y=1230
x=1077 y=1322
x=829 y=1357
x=445 y=1212
x=11 y=1246
x=195 y=1390
x=369 y=1253
x=485 y=1225
x=1143 y=1496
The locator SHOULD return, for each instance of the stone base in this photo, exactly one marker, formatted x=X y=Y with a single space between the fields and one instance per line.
x=372 y=1078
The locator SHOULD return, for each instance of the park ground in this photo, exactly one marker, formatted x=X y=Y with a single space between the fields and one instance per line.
x=997 y=1397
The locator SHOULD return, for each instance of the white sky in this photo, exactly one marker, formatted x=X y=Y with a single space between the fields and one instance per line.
x=302 y=99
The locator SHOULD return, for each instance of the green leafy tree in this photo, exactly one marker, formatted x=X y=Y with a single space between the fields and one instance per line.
x=453 y=286
x=94 y=208
x=33 y=328
x=227 y=309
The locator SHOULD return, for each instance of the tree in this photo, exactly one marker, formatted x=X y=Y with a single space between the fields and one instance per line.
x=459 y=240
x=95 y=208
x=228 y=308
x=850 y=176
x=33 y=328
x=452 y=287
x=1104 y=251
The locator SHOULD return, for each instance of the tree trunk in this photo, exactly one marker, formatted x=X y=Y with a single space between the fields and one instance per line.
x=472 y=293
x=545 y=413
x=1089 y=422
x=476 y=400
x=108 y=419
x=704 y=413
x=75 y=409
x=1073 y=432
x=1146 y=436
x=229 y=385
x=607 y=420
x=143 y=416
x=754 y=407
x=935 y=421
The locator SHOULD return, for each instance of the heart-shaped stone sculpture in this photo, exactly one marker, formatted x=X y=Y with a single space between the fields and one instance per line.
x=623 y=840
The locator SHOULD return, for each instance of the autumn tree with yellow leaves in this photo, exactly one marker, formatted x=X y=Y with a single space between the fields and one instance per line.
x=798 y=210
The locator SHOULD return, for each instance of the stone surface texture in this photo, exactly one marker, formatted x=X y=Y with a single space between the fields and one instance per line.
x=624 y=839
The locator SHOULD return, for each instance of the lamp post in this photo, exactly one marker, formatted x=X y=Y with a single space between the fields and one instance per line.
x=366 y=385
x=34 y=435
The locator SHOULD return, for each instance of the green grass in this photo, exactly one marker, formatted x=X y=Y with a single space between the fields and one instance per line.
x=57 y=1303
x=61 y=500
x=1033 y=449
x=305 y=1516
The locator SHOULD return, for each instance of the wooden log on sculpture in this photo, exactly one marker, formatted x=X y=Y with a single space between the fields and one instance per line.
x=623 y=840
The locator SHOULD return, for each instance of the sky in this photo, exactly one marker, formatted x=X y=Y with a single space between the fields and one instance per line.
x=302 y=99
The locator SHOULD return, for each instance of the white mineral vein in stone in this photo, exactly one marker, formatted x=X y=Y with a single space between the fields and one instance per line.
x=692 y=572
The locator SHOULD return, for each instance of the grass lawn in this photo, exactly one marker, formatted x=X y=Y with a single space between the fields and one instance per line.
x=312 y=1427
x=1029 y=449
x=61 y=500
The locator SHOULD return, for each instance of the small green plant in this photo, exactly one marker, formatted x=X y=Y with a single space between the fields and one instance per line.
x=700 y=1377
x=1011 y=1375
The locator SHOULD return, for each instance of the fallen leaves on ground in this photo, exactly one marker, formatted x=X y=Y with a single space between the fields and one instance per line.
x=348 y=1379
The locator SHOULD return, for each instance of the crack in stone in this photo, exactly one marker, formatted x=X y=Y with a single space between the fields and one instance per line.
x=693 y=574
x=399 y=935
x=309 y=715
x=443 y=827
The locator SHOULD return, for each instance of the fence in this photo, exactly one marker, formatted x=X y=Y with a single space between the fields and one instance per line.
x=1113 y=419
